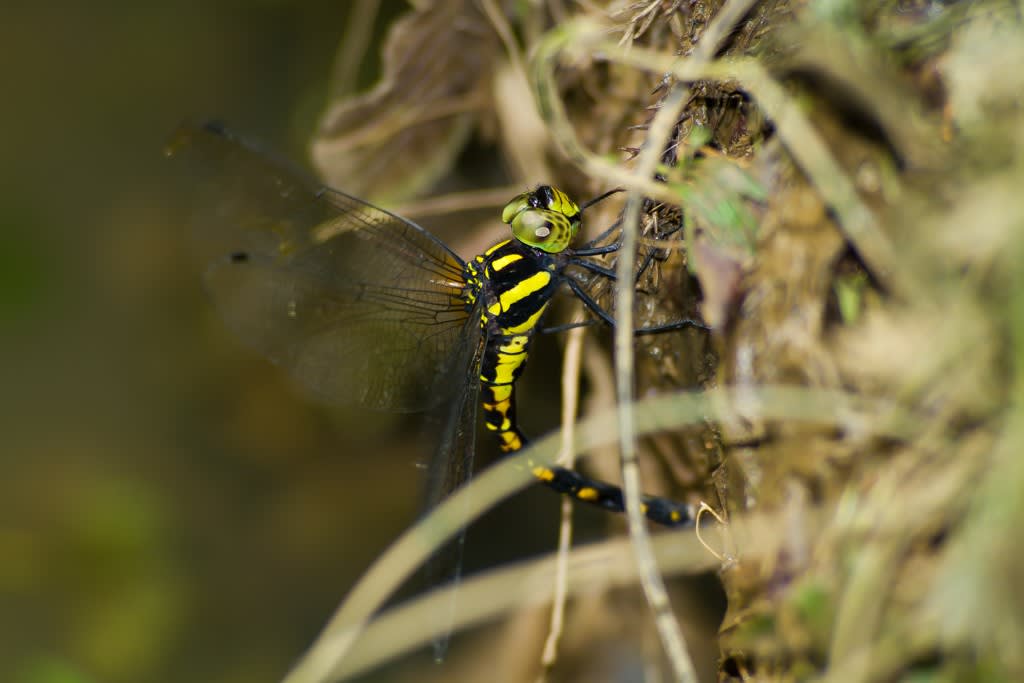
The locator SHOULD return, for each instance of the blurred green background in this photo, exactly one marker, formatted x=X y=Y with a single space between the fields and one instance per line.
x=170 y=508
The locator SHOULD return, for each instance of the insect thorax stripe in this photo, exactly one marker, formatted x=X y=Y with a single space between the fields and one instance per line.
x=523 y=289
x=502 y=262
x=525 y=326
x=497 y=247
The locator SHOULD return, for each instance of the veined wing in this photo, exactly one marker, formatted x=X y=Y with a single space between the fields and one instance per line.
x=452 y=464
x=360 y=305
x=451 y=467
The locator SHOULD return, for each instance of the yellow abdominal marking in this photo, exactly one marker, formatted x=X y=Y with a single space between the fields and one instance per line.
x=543 y=473
x=504 y=371
x=505 y=426
x=510 y=441
x=502 y=410
x=515 y=345
x=501 y=393
x=587 y=493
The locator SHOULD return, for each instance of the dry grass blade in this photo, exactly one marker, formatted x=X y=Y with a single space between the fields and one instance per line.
x=512 y=588
x=654 y=586
x=459 y=201
x=353 y=48
x=571 y=362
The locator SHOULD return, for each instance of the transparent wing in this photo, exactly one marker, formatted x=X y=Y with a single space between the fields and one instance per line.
x=452 y=464
x=451 y=467
x=360 y=305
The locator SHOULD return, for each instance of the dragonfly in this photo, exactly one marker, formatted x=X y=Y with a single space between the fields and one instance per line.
x=362 y=306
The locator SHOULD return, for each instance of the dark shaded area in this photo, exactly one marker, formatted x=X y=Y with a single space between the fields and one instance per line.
x=170 y=508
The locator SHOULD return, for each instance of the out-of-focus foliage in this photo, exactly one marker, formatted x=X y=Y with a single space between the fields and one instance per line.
x=403 y=134
x=170 y=510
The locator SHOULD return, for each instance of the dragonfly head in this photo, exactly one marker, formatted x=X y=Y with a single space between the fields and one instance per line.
x=544 y=218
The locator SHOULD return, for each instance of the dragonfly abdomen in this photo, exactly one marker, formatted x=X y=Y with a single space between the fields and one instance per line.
x=499 y=407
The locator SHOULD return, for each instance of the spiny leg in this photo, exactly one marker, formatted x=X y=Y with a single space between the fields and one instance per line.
x=589 y=302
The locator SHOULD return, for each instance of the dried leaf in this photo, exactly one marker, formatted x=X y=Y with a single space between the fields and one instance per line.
x=400 y=136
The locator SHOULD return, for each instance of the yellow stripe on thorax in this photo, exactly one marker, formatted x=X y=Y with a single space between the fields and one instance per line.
x=528 y=324
x=495 y=248
x=524 y=288
x=504 y=261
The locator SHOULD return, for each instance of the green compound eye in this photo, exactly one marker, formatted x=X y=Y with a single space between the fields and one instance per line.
x=544 y=218
x=544 y=229
x=518 y=204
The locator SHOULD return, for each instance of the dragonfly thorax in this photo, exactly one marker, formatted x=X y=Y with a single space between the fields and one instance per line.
x=513 y=283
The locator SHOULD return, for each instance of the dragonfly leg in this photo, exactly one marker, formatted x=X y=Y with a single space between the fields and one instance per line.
x=596 y=309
